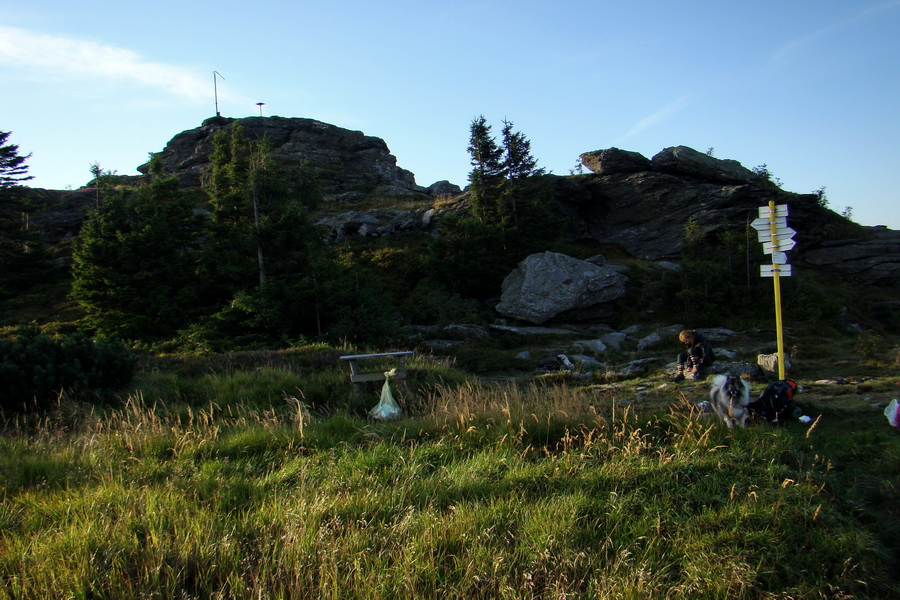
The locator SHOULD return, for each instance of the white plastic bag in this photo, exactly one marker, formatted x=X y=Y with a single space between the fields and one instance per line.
x=387 y=408
x=892 y=412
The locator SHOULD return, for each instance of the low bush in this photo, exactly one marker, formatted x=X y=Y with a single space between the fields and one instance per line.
x=36 y=369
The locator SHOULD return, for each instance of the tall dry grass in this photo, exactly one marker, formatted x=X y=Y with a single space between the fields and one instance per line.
x=488 y=491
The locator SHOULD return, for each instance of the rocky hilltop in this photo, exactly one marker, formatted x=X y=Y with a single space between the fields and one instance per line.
x=347 y=161
x=637 y=203
x=643 y=205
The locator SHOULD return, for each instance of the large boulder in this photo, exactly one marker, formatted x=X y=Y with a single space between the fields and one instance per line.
x=548 y=284
x=614 y=160
x=443 y=188
x=684 y=161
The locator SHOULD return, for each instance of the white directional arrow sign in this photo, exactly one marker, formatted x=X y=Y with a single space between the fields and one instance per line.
x=780 y=245
x=769 y=270
x=782 y=232
x=764 y=224
x=779 y=258
x=781 y=210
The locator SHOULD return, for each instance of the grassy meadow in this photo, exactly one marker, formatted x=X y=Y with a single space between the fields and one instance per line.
x=258 y=476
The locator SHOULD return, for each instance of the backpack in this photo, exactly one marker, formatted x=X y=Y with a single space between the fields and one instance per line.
x=776 y=402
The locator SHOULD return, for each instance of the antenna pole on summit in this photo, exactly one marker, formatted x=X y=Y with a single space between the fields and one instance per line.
x=216 y=91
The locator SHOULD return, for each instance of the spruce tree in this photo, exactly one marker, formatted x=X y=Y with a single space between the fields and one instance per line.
x=510 y=215
x=499 y=170
x=486 y=177
x=260 y=218
x=135 y=269
x=13 y=170
x=22 y=258
x=518 y=162
x=265 y=259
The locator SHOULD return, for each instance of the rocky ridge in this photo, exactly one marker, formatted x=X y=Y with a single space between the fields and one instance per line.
x=639 y=204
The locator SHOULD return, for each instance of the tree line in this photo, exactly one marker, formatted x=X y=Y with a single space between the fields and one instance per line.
x=239 y=263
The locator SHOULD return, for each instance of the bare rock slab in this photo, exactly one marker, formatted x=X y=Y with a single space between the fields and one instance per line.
x=548 y=284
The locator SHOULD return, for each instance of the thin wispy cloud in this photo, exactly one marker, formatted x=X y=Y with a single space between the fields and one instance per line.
x=657 y=117
x=55 y=57
x=785 y=51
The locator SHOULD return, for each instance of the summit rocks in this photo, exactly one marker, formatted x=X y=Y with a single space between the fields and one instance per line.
x=346 y=161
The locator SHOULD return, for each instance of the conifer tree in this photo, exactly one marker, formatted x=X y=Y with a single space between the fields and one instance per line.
x=264 y=256
x=518 y=162
x=13 y=169
x=498 y=171
x=135 y=262
x=510 y=214
x=257 y=220
x=486 y=177
x=22 y=258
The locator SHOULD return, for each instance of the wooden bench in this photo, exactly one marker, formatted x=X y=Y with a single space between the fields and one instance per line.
x=357 y=376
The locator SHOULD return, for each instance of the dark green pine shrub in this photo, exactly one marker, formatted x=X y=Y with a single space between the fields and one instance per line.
x=35 y=369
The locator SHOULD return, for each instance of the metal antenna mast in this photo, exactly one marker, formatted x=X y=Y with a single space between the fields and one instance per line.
x=216 y=91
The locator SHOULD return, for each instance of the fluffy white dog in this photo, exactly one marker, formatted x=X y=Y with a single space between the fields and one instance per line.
x=729 y=397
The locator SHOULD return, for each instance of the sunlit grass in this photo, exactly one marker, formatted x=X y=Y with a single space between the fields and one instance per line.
x=484 y=491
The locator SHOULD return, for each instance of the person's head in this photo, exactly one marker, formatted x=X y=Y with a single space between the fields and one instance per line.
x=688 y=337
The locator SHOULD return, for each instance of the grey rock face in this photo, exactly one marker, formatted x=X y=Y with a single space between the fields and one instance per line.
x=681 y=160
x=872 y=260
x=345 y=160
x=372 y=223
x=639 y=205
x=597 y=346
x=443 y=188
x=547 y=284
x=61 y=212
x=613 y=160
x=465 y=332
x=646 y=213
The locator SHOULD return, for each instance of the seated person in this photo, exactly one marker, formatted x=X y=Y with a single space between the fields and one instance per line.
x=698 y=356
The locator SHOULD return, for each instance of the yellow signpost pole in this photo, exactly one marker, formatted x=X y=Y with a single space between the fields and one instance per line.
x=773 y=229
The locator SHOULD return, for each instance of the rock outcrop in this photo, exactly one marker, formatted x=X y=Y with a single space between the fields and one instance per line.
x=645 y=211
x=613 y=160
x=681 y=160
x=345 y=160
x=548 y=284
x=61 y=212
x=373 y=223
x=873 y=259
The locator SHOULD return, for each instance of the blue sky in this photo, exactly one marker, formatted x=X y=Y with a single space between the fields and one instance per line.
x=811 y=88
